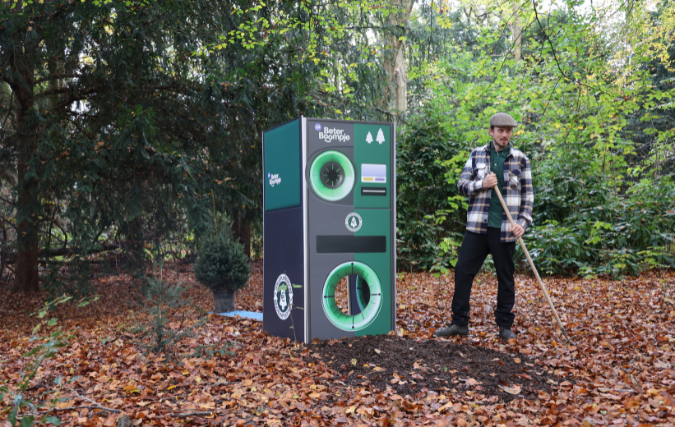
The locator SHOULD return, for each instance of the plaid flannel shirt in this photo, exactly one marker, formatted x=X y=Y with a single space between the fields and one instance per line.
x=517 y=191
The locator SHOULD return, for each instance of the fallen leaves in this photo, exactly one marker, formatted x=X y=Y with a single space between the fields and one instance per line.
x=516 y=389
x=619 y=368
x=662 y=365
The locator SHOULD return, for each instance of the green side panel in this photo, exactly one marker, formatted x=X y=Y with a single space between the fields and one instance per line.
x=377 y=222
x=282 y=151
x=372 y=153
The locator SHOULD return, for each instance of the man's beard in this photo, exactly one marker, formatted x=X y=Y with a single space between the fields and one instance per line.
x=504 y=144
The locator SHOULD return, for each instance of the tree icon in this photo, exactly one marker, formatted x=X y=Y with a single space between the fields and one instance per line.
x=380 y=136
x=369 y=138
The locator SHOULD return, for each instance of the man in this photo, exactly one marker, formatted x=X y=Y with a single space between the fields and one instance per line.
x=488 y=230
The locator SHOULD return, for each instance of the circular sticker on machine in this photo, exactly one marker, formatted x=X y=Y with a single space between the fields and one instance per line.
x=370 y=309
x=283 y=297
x=353 y=222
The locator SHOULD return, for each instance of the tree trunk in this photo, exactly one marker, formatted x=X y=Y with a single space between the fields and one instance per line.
x=3 y=249
x=394 y=59
x=517 y=30
x=242 y=232
x=135 y=239
x=26 y=279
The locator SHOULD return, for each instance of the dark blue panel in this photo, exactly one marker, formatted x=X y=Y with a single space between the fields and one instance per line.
x=283 y=255
x=353 y=298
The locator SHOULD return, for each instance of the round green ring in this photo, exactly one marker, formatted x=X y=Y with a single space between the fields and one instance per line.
x=368 y=313
x=332 y=194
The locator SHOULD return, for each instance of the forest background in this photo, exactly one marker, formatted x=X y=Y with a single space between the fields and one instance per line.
x=126 y=127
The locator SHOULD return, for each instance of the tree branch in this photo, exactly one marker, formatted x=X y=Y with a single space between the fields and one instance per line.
x=77 y=408
x=11 y=256
x=74 y=123
x=548 y=39
x=9 y=110
x=55 y=77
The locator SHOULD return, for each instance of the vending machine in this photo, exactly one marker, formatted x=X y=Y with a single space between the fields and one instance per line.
x=329 y=214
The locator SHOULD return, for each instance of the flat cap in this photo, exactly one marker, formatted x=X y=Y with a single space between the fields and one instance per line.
x=502 y=120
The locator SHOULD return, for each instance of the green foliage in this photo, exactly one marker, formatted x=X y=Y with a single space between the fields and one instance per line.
x=428 y=207
x=140 y=114
x=578 y=112
x=607 y=235
x=167 y=321
x=21 y=409
x=221 y=263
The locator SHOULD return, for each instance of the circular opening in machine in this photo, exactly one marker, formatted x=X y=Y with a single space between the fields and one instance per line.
x=332 y=175
x=354 y=288
x=369 y=300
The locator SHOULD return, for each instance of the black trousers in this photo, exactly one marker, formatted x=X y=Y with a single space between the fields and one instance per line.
x=475 y=248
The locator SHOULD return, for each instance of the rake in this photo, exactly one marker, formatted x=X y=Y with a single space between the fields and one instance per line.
x=534 y=269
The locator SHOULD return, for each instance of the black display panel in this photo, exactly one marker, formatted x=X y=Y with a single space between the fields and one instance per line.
x=351 y=244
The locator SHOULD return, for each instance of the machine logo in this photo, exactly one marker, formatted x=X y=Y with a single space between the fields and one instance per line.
x=274 y=178
x=332 y=134
x=317 y=127
x=353 y=222
x=283 y=297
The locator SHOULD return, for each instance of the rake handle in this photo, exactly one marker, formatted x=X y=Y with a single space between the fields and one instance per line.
x=534 y=269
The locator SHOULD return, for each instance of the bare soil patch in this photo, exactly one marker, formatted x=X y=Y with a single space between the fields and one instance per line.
x=409 y=366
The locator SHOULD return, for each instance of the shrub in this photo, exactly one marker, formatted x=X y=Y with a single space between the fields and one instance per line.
x=426 y=208
x=164 y=303
x=601 y=233
x=222 y=264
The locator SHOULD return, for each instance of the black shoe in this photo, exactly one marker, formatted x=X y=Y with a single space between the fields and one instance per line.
x=452 y=330
x=505 y=333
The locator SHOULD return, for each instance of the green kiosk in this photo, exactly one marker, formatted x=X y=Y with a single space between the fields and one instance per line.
x=329 y=214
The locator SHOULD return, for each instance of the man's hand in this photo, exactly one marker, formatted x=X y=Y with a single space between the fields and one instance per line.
x=490 y=180
x=517 y=230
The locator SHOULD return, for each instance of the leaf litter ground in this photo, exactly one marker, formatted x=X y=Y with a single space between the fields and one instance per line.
x=618 y=371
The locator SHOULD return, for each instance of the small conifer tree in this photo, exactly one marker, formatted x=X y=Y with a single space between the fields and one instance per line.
x=222 y=264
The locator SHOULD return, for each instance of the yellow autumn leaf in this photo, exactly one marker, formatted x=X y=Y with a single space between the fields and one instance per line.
x=131 y=389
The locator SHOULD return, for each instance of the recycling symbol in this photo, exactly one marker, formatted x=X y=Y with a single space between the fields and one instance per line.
x=353 y=222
